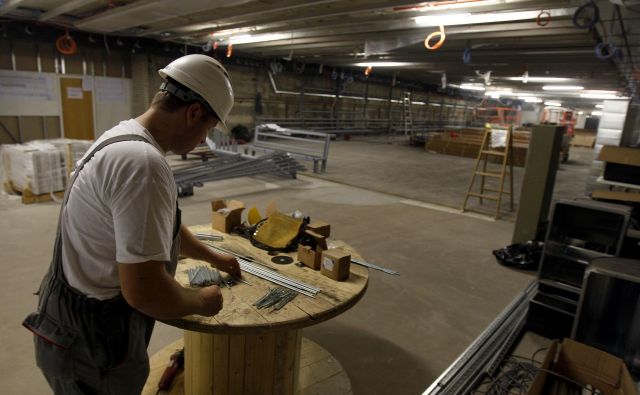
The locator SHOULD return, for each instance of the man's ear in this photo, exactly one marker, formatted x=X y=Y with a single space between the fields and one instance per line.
x=194 y=112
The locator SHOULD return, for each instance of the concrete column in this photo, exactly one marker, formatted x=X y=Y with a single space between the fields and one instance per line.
x=139 y=84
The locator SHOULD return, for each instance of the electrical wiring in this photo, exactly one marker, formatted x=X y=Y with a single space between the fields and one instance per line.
x=544 y=17
x=518 y=374
x=595 y=17
x=466 y=56
x=66 y=45
x=442 y=37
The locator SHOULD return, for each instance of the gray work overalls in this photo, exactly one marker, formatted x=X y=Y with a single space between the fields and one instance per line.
x=85 y=345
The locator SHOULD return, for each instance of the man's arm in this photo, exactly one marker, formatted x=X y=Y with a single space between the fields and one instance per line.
x=193 y=248
x=147 y=287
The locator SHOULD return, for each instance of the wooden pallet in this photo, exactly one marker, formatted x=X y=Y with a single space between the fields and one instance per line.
x=28 y=197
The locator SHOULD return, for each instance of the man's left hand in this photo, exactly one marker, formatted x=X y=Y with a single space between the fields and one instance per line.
x=228 y=264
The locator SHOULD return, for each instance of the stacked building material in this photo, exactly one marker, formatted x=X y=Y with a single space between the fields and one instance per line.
x=466 y=143
x=279 y=164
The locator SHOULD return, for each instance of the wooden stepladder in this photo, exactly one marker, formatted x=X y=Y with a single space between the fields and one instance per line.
x=497 y=142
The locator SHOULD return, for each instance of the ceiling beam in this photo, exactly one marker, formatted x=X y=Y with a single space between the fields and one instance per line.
x=10 y=5
x=64 y=8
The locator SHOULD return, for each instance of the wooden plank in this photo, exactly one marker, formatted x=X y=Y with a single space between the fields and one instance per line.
x=259 y=364
x=317 y=378
x=220 y=364
x=287 y=361
x=236 y=364
x=189 y=360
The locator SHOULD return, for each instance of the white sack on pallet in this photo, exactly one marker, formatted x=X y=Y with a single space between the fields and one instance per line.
x=41 y=165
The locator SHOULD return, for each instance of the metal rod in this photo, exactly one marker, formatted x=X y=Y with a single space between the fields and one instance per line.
x=372 y=266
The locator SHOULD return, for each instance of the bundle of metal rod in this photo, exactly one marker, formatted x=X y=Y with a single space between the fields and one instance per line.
x=268 y=274
x=276 y=297
x=202 y=276
x=277 y=163
x=208 y=237
x=372 y=266
x=486 y=353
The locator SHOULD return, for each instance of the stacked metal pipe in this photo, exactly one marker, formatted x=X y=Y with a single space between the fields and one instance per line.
x=272 y=275
x=231 y=166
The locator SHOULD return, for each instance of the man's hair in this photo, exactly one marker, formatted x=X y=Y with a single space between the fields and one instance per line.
x=167 y=102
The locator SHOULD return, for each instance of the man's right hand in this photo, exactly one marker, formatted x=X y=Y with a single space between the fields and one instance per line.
x=211 y=299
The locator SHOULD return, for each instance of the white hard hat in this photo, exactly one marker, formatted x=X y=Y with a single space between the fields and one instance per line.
x=205 y=77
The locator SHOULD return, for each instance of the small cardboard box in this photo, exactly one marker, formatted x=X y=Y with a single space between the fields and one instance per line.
x=320 y=227
x=226 y=214
x=622 y=164
x=585 y=365
x=335 y=264
x=310 y=254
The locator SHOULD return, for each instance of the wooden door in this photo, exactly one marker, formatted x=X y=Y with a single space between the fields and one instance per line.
x=77 y=109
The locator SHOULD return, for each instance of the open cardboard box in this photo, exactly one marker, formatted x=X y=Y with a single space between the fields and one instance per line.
x=310 y=255
x=585 y=365
x=226 y=214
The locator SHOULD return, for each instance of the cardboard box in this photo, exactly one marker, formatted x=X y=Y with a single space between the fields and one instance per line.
x=226 y=214
x=622 y=164
x=320 y=227
x=336 y=264
x=585 y=365
x=310 y=253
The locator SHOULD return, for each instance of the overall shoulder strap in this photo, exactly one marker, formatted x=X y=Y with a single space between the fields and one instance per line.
x=57 y=252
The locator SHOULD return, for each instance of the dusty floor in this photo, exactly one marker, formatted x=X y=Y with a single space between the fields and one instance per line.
x=392 y=203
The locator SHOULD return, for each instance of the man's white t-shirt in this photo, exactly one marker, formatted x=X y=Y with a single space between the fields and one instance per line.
x=121 y=210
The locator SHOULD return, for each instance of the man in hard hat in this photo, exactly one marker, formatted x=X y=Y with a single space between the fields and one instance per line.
x=119 y=237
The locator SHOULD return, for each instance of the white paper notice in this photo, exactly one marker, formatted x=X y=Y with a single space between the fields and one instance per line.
x=74 y=92
x=87 y=83
x=328 y=264
x=498 y=138
x=111 y=90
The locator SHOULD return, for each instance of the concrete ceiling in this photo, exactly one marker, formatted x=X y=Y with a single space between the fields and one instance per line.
x=341 y=33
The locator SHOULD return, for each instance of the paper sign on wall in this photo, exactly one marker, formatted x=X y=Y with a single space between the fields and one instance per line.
x=74 y=92
x=87 y=83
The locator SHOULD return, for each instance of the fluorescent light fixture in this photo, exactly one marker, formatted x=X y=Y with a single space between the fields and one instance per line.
x=600 y=92
x=599 y=105
x=522 y=95
x=381 y=64
x=602 y=96
x=498 y=93
x=553 y=104
x=532 y=100
x=596 y=113
x=580 y=112
x=540 y=79
x=258 y=38
x=490 y=17
x=472 y=87
x=562 y=88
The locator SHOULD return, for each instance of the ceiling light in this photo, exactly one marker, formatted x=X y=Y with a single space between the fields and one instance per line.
x=580 y=112
x=600 y=92
x=472 y=87
x=553 y=104
x=471 y=19
x=498 y=93
x=532 y=100
x=258 y=38
x=602 y=96
x=539 y=79
x=562 y=88
x=596 y=113
x=599 y=105
x=381 y=64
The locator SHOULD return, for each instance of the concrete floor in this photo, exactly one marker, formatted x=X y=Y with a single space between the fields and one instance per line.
x=404 y=332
